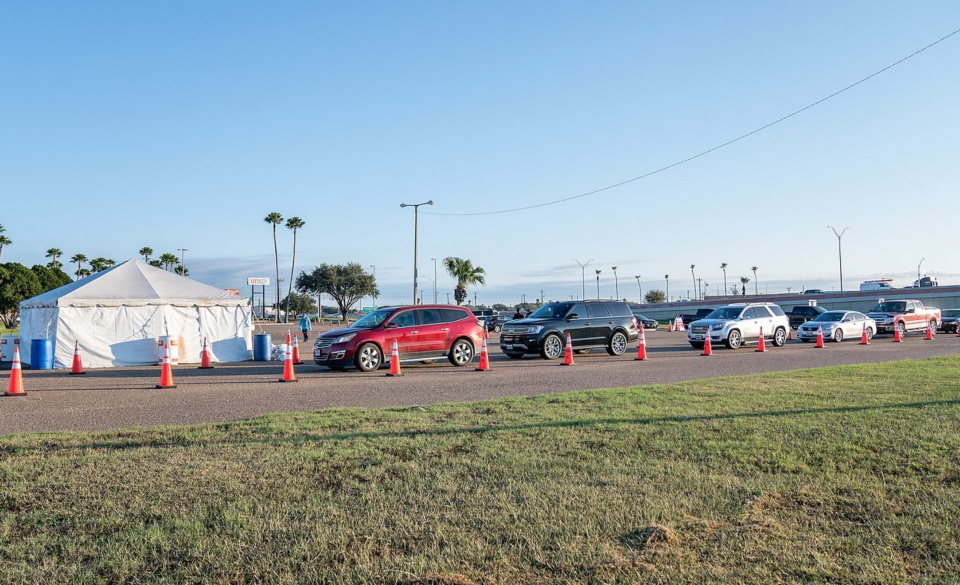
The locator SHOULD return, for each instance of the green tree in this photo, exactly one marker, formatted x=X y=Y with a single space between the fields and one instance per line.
x=17 y=283
x=465 y=273
x=50 y=278
x=79 y=259
x=156 y=263
x=744 y=280
x=755 y=281
x=297 y=303
x=169 y=260
x=655 y=296
x=99 y=264
x=53 y=254
x=274 y=220
x=146 y=252
x=345 y=283
x=4 y=241
x=294 y=223
x=182 y=270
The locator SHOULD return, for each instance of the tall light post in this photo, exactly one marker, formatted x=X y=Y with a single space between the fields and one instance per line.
x=640 y=287
x=918 y=270
x=667 y=278
x=583 y=277
x=416 y=208
x=434 y=280
x=598 y=283
x=840 y=251
x=616 y=283
x=183 y=267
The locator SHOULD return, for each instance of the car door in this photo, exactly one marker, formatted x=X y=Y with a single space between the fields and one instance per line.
x=432 y=333
x=404 y=329
x=579 y=327
x=599 y=323
x=752 y=320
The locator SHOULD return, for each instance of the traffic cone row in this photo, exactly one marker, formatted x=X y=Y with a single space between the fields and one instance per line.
x=642 y=346
x=568 y=353
x=288 y=375
x=484 y=359
x=77 y=364
x=394 y=361
x=819 y=336
x=166 y=370
x=16 y=376
x=205 y=357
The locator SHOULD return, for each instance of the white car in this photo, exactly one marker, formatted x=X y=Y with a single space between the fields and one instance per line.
x=837 y=325
x=740 y=323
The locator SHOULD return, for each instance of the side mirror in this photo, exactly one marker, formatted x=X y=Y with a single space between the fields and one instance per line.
x=390 y=325
x=909 y=311
x=572 y=316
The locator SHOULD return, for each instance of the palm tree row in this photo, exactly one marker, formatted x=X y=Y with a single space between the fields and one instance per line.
x=294 y=223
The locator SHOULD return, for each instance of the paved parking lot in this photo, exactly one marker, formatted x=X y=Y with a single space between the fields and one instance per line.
x=115 y=398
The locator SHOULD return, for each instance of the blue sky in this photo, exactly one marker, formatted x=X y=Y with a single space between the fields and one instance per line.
x=183 y=124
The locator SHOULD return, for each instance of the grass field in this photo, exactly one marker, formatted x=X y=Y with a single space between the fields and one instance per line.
x=837 y=475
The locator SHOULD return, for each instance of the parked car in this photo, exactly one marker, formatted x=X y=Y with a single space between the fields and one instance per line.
x=838 y=325
x=903 y=316
x=423 y=333
x=803 y=313
x=812 y=291
x=590 y=325
x=700 y=314
x=495 y=323
x=647 y=322
x=734 y=325
x=949 y=320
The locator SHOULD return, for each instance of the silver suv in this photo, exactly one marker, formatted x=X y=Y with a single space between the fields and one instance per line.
x=740 y=323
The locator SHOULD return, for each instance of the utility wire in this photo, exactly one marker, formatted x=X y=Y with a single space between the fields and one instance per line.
x=708 y=151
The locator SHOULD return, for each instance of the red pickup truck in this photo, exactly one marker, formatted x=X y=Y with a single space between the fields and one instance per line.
x=905 y=315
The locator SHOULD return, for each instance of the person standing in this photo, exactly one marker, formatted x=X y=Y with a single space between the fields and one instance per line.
x=305 y=326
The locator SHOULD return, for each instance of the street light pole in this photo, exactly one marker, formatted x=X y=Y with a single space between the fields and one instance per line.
x=183 y=267
x=640 y=287
x=434 y=280
x=583 y=277
x=840 y=251
x=616 y=283
x=416 y=208
x=918 y=270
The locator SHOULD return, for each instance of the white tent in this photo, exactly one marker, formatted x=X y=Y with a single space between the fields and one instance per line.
x=119 y=316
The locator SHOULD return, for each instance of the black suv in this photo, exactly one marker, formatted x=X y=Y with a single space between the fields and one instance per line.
x=590 y=324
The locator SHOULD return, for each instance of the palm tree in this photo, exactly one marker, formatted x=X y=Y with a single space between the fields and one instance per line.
x=667 y=278
x=182 y=271
x=53 y=254
x=146 y=252
x=274 y=219
x=724 y=268
x=294 y=223
x=755 y=281
x=100 y=264
x=744 y=280
x=4 y=240
x=598 y=283
x=79 y=259
x=694 y=277
x=169 y=260
x=465 y=273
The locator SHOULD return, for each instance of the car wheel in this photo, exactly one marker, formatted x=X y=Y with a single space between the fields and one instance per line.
x=838 y=335
x=368 y=358
x=552 y=347
x=734 y=339
x=618 y=343
x=497 y=328
x=902 y=329
x=779 y=337
x=932 y=324
x=514 y=356
x=461 y=353
x=869 y=333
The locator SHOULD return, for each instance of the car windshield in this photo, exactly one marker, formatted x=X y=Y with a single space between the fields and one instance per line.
x=639 y=317
x=830 y=316
x=951 y=313
x=552 y=310
x=371 y=320
x=725 y=313
x=891 y=307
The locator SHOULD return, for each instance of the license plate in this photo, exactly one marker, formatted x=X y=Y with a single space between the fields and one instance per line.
x=697 y=337
x=508 y=346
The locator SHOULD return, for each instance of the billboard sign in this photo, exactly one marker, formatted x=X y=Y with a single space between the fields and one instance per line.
x=254 y=281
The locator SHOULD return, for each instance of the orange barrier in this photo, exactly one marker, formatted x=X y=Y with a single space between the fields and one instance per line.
x=707 y=346
x=929 y=334
x=77 y=364
x=394 y=361
x=642 y=347
x=863 y=336
x=819 y=336
x=166 y=370
x=568 y=353
x=760 y=342
x=484 y=359
x=296 y=352
x=16 y=376
x=896 y=335
x=288 y=375
x=205 y=357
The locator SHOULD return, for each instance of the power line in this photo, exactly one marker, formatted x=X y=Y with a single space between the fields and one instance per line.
x=710 y=150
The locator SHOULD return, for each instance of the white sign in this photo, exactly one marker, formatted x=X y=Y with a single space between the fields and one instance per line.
x=253 y=281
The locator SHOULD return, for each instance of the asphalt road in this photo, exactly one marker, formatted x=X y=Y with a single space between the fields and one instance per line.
x=115 y=398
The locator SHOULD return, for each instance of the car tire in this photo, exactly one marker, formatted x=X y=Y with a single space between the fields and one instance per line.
x=869 y=333
x=552 y=347
x=902 y=328
x=838 y=335
x=461 y=352
x=369 y=358
x=932 y=324
x=779 y=337
x=734 y=339
x=513 y=356
x=618 y=343
x=497 y=328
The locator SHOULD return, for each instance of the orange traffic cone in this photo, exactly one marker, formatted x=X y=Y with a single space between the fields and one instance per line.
x=760 y=342
x=568 y=353
x=680 y=326
x=288 y=375
x=929 y=334
x=863 y=336
x=296 y=352
x=896 y=334
x=672 y=327
x=484 y=358
x=707 y=346
x=77 y=364
x=819 y=336
x=16 y=376
x=166 y=370
x=642 y=347
x=205 y=357
x=394 y=361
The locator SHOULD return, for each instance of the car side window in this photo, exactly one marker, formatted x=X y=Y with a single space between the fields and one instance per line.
x=430 y=316
x=579 y=309
x=597 y=310
x=405 y=319
x=451 y=315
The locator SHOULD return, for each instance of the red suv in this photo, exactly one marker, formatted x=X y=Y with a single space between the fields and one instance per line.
x=424 y=333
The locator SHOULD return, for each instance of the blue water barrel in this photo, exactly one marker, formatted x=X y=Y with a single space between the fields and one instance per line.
x=262 y=347
x=41 y=354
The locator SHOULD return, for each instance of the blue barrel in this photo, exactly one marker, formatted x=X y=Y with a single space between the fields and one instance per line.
x=262 y=347
x=41 y=354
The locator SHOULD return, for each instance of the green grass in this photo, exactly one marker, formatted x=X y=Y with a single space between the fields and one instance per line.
x=835 y=475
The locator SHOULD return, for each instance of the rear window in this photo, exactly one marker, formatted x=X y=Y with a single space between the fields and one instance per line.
x=778 y=311
x=451 y=315
x=597 y=310
x=619 y=309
